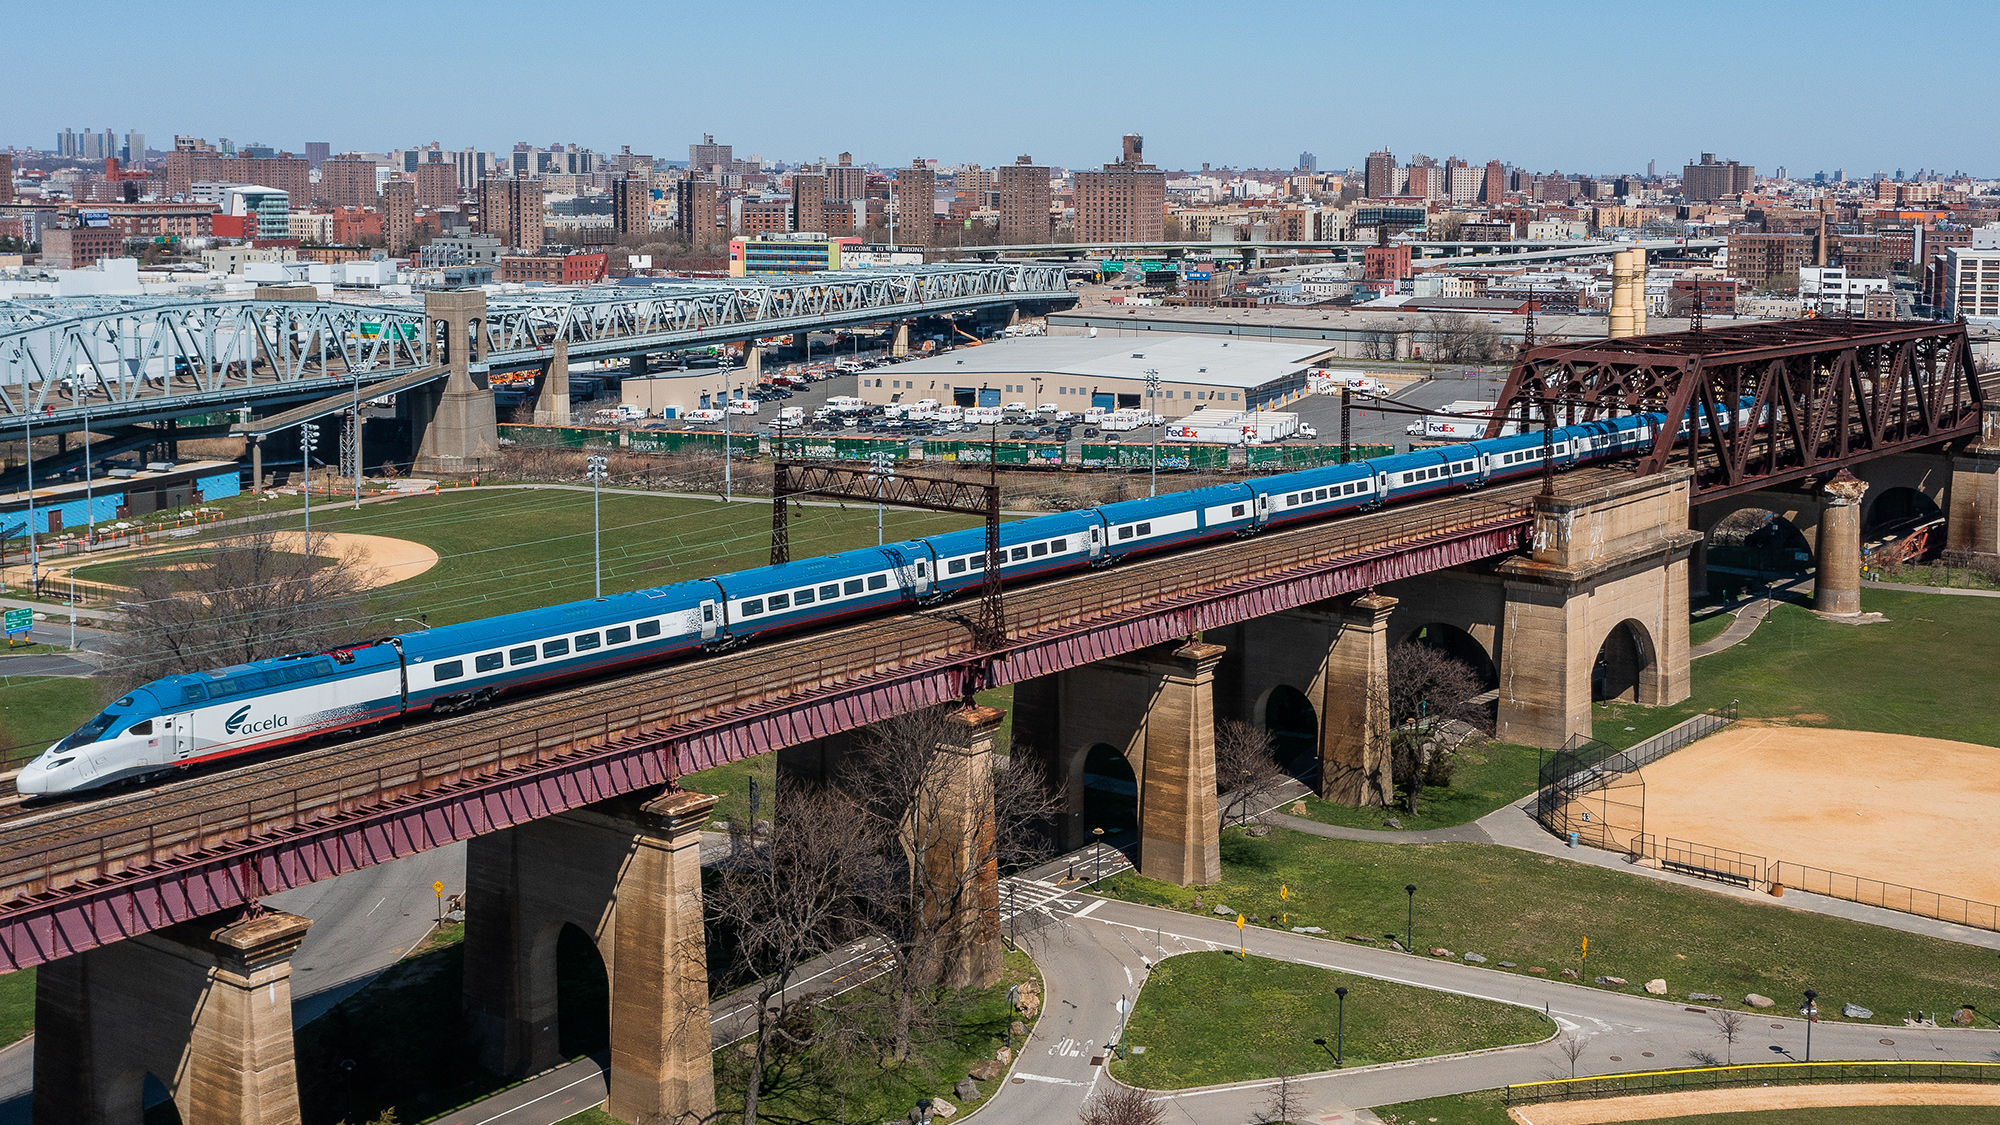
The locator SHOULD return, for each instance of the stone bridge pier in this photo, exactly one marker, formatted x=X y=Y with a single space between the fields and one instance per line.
x=1598 y=607
x=627 y=873
x=455 y=428
x=205 y=1007
x=1153 y=709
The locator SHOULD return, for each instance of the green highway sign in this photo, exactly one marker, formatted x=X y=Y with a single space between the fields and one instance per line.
x=19 y=621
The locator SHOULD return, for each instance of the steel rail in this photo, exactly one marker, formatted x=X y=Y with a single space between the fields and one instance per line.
x=76 y=878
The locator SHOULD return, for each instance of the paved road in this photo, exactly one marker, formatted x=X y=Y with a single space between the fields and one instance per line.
x=363 y=922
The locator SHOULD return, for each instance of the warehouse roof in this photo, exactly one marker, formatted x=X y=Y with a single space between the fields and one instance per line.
x=1179 y=359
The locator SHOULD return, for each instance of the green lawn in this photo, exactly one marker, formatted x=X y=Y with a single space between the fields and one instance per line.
x=1708 y=625
x=1486 y=1107
x=17 y=1006
x=1910 y=674
x=823 y=1085
x=1210 y=1018
x=1488 y=778
x=505 y=550
x=37 y=711
x=1535 y=910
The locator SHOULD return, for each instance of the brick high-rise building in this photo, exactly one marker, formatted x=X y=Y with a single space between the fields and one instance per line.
x=845 y=181
x=437 y=185
x=399 y=216
x=708 y=154
x=188 y=167
x=511 y=210
x=1755 y=259
x=694 y=212
x=809 y=201
x=916 y=204
x=1495 y=186
x=1379 y=178
x=631 y=206
x=6 y=177
x=1126 y=202
x=346 y=182
x=1024 y=202
x=1711 y=179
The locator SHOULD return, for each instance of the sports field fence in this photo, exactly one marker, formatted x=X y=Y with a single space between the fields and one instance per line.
x=1748 y=1074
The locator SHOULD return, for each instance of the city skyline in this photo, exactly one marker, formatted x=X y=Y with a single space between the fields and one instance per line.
x=1063 y=84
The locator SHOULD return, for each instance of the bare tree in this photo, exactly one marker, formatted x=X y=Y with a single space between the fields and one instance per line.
x=1121 y=1105
x=1378 y=343
x=932 y=888
x=1572 y=1049
x=1285 y=1103
x=259 y=595
x=788 y=898
x=1459 y=338
x=1729 y=1025
x=1431 y=715
x=1246 y=767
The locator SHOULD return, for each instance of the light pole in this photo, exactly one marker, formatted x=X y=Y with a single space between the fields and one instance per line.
x=1809 y=1012
x=1099 y=833
x=308 y=440
x=882 y=466
x=1340 y=1035
x=1152 y=391
x=1410 y=922
x=34 y=557
x=598 y=468
x=728 y=447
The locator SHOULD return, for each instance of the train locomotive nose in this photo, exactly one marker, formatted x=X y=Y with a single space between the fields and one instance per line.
x=46 y=775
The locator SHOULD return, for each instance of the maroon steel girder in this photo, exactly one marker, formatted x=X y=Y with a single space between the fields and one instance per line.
x=1831 y=392
x=136 y=900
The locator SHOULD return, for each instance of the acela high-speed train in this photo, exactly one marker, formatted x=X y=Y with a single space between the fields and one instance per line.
x=184 y=720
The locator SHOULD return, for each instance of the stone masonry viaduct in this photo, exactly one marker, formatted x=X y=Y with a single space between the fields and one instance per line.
x=1601 y=593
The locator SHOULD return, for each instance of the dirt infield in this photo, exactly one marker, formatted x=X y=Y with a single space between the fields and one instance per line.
x=379 y=559
x=1653 y=1107
x=1883 y=806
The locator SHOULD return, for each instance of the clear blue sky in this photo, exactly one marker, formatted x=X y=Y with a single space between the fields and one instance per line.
x=1546 y=85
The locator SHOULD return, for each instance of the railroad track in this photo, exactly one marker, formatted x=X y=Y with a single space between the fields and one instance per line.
x=40 y=846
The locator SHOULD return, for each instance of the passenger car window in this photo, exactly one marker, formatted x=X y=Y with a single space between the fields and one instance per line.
x=652 y=628
x=802 y=597
x=488 y=662
x=618 y=636
x=586 y=641
x=878 y=581
x=780 y=601
x=555 y=648
x=449 y=670
x=853 y=586
x=523 y=655
x=753 y=607
x=831 y=590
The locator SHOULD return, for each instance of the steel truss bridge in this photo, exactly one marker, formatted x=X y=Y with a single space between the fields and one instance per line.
x=115 y=362
x=1826 y=394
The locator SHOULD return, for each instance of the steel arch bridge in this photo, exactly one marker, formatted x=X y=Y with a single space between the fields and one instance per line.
x=118 y=361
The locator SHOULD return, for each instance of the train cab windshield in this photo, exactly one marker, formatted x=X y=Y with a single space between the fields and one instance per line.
x=88 y=732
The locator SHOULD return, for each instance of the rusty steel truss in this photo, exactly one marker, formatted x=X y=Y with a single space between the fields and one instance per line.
x=1821 y=394
x=899 y=490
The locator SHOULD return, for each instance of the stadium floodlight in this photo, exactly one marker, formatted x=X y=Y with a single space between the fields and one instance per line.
x=308 y=441
x=598 y=468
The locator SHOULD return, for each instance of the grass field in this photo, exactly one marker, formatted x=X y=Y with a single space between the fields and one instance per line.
x=1488 y=778
x=1210 y=1018
x=502 y=550
x=1913 y=673
x=1535 y=910
x=36 y=711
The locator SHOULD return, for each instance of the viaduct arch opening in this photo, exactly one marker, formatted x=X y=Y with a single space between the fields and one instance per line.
x=1624 y=659
x=1110 y=792
x=157 y=1102
x=1459 y=645
x=1294 y=727
x=1760 y=542
x=583 y=995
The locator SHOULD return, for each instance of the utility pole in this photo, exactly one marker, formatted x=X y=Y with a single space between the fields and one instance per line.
x=1152 y=412
x=728 y=446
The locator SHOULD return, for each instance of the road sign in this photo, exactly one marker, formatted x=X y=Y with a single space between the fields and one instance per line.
x=1284 y=892
x=437 y=888
x=19 y=621
x=1239 y=921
